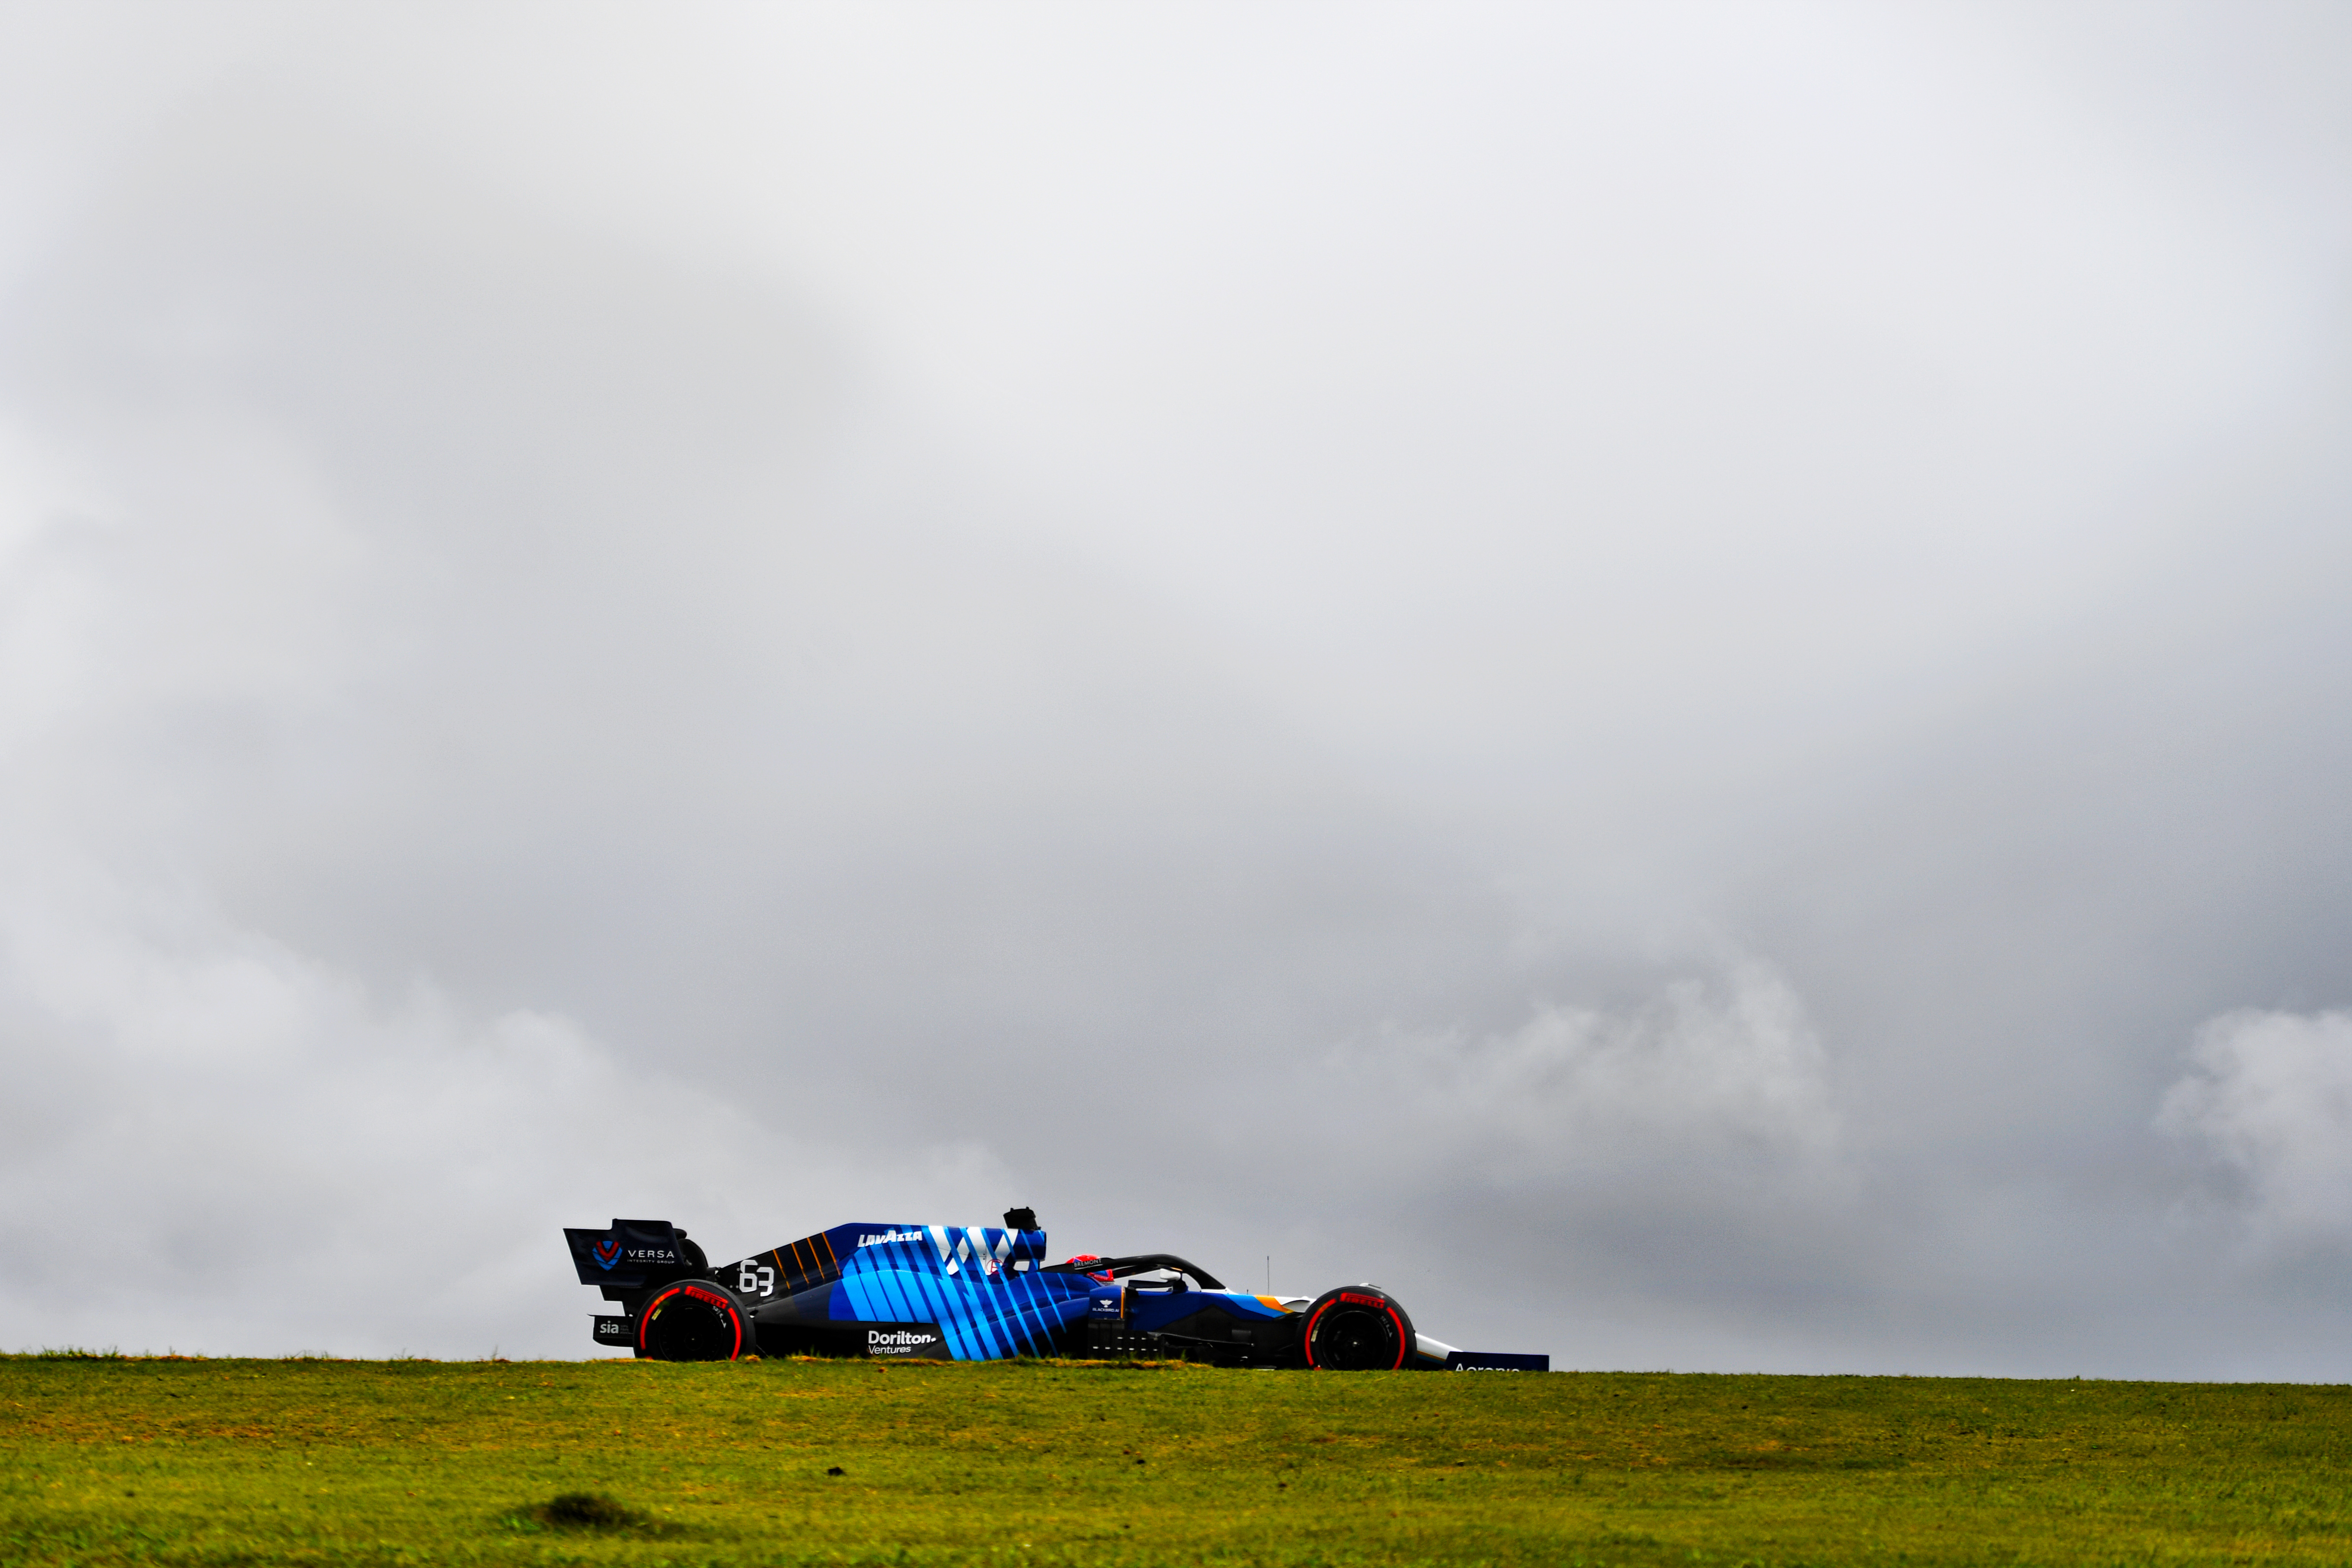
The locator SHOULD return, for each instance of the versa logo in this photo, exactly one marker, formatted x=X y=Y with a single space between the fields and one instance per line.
x=606 y=1252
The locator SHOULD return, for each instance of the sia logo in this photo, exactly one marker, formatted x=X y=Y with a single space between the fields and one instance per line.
x=607 y=1251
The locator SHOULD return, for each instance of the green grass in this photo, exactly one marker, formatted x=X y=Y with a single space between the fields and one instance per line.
x=187 y=1461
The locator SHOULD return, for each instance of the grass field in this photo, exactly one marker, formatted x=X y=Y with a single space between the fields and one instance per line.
x=190 y=1461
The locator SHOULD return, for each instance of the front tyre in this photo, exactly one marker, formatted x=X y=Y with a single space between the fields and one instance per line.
x=1357 y=1328
x=694 y=1320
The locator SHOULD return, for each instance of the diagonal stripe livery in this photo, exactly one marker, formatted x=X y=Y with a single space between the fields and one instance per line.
x=980 y=1293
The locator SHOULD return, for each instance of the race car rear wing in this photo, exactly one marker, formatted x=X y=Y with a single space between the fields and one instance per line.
x=630 y=1255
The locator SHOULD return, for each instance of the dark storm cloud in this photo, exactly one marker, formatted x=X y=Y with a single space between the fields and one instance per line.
x=1696 y=660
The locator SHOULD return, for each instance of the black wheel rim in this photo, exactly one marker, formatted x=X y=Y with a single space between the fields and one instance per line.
x=1356 y=1339
x=685 y=1325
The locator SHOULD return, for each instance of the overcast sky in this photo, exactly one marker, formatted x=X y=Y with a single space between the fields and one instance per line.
x=1677 y=679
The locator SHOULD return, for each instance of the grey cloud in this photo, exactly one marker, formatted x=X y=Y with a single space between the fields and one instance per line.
x=1680 y=696
x=2271 y=1098
x=1722 y=1088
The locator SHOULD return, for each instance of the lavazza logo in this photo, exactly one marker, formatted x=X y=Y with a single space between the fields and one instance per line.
x=890 y=1236
x=898 y=1339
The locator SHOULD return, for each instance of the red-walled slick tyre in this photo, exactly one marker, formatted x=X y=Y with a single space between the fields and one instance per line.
x=694 y=1320
x=1357 y=1328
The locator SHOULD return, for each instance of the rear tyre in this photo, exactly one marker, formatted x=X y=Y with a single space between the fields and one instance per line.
x=694 y=1320
x=1357 y=1328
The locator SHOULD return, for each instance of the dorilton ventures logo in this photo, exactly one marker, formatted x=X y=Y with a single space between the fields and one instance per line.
x=899 y=1337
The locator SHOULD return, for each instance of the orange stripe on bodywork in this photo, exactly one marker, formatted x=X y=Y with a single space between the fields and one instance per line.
x=802 y=1262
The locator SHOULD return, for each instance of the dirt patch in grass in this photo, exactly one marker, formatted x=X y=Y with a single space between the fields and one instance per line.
x=594 y=1513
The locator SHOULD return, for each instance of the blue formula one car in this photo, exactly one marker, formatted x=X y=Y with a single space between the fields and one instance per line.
x=980 y=1293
